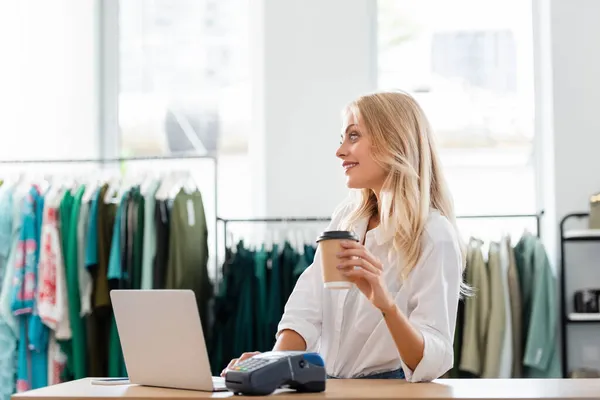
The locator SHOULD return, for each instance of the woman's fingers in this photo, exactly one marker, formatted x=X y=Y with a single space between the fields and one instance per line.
x=358 y=262
x=360 y=273
x=245 y=356
x=361 y=253
x=231 y=364
x=236 y=361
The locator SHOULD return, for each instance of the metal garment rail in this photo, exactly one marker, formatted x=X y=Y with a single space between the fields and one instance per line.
x=227 y=221
x=142 y=158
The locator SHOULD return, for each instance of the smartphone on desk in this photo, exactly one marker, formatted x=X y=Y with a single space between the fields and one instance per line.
x=110 y=381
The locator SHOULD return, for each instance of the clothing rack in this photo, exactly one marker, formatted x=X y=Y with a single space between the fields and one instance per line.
x=226 y=221
x=141 y=158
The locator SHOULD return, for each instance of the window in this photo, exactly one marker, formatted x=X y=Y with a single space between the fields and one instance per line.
x=469 y=63
x=182 y=65
x=184 y=87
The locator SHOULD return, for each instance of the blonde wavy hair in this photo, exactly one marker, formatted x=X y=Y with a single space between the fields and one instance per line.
x=403 y=145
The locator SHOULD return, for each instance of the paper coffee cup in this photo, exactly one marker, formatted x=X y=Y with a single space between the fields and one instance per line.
x=330 y=244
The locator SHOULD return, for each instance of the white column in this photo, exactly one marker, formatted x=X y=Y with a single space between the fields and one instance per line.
x=310 y=58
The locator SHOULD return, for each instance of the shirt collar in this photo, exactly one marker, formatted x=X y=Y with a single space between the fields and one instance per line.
x=360 y=228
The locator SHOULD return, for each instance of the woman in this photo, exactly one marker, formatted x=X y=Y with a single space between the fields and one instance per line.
x=398 y=320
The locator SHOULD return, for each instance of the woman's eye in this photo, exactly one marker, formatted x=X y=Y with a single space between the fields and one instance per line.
x=353 y=136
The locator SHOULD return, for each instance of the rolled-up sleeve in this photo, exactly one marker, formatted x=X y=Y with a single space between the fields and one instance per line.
x=304 y=308
x=432 y=308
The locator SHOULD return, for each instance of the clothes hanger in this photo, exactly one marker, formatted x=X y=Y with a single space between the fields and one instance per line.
x=268 y=242
x=300 y=241
x=178 y=185
x=90 y=188
x=111 y=195
x=163 y=187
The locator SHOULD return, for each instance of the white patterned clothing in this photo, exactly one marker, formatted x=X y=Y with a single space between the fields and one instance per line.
x=52 y=301
x=57 y=361
x=84 y=276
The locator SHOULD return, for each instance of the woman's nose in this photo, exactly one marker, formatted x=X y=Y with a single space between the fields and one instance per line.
x=341 y=152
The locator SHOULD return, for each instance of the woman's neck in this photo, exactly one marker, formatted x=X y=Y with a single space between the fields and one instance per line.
x=373 y=222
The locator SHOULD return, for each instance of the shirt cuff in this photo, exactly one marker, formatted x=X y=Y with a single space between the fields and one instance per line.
x=305 y=329
x=437 y=358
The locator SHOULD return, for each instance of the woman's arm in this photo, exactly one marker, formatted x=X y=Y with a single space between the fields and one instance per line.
x=425 y=335
x=300 y=325
x=407 y=338
x=289 y=340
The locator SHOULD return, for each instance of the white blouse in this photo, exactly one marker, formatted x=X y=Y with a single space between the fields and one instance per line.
x=350 y=333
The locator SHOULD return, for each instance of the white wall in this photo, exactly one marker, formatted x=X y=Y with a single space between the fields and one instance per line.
x=48 y=79
x=311 y=57
x=575 y=46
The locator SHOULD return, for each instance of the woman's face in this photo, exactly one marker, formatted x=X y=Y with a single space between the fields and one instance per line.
x=355 y=151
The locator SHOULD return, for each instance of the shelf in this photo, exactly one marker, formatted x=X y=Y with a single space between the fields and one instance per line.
x=582 y=234
x=583 y=317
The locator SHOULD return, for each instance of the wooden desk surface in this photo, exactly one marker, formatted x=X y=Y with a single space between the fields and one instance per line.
x=472 y=389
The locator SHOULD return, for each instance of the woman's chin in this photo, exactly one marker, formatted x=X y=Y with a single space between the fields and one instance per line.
x=351 y=184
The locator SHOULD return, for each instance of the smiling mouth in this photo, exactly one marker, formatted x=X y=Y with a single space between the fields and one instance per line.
x=348 y=166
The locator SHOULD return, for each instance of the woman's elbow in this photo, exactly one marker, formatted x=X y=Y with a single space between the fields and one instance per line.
x=438 y=358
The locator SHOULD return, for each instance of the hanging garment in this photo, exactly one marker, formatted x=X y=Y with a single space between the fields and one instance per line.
x=32 y=367
x=541 y=358
x=223 y=329
x=106 y=220
x=6 y=225
x=245 y=327
x=138 y=239
x=303 y=261
x=506 y=353
x=188 y=251
x=289 y=258
x=249 y=303
x=78 y=347
x=117 y=248
x=115 y=279
x=57 y=361
x=9 y=232
x=497 y=315
x=516 y=313
x=122 y=280
x=458 y=338
x=149 y=235
x=99 y=322
x=477 y=309
x=64 y=213
x=91 y=247
x=85 y=278
x=162 y=218
x=52 y=301
x=263 y=341
x=275 y=301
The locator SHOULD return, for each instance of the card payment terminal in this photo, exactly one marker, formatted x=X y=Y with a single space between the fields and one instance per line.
x=263 y=373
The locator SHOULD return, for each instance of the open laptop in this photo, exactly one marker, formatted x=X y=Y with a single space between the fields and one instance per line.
x=162 y=339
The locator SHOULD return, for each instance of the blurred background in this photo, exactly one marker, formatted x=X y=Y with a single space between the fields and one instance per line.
x=244 y=98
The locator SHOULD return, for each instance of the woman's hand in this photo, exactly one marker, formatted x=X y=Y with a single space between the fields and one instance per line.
x=368 y=277
x=235 y=361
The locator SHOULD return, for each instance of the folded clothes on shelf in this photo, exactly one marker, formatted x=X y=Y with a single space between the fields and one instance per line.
x=586 y=301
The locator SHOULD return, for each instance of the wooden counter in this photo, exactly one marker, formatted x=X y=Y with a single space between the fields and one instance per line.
x=471 y=389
